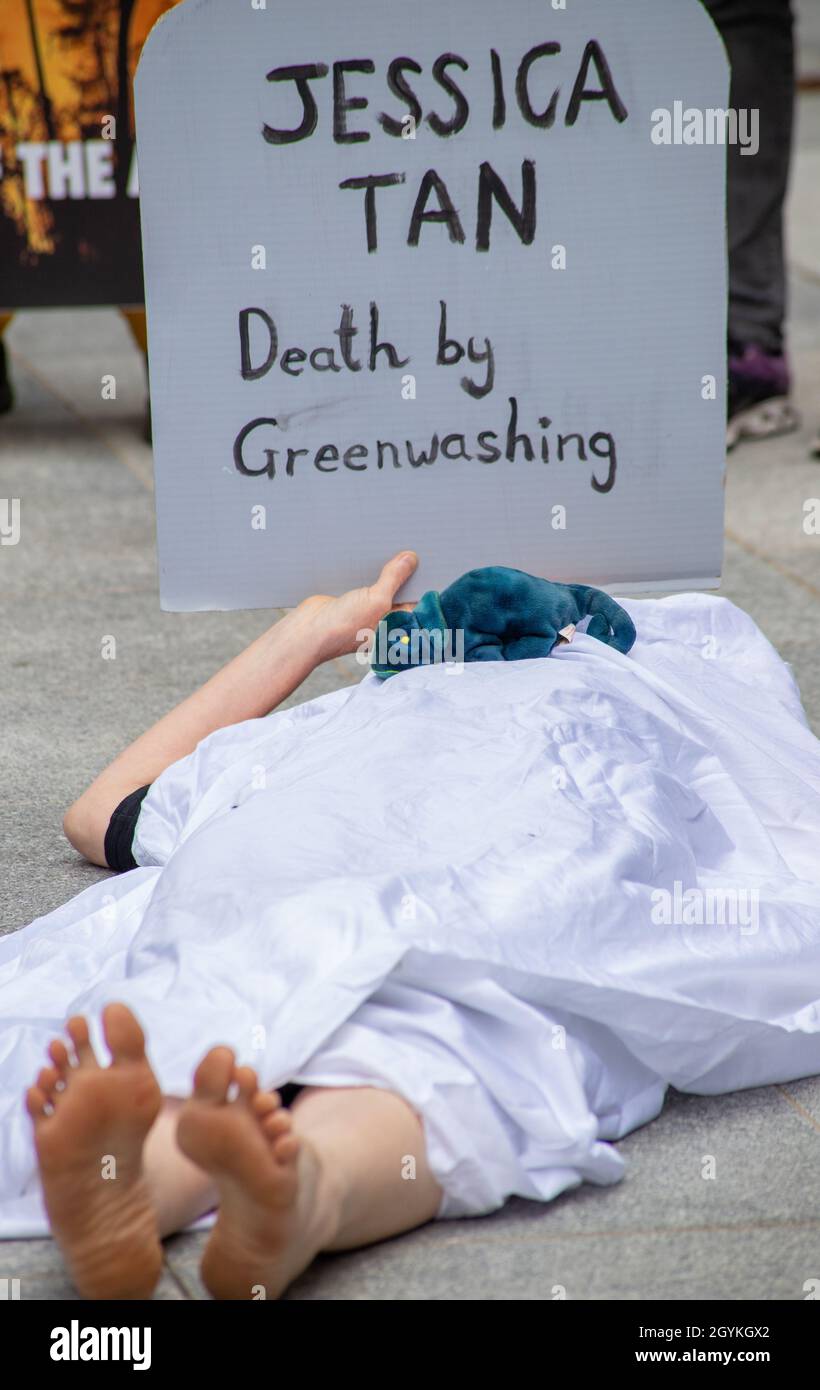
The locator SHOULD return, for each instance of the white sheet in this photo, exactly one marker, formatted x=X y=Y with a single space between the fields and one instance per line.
x=443 y=884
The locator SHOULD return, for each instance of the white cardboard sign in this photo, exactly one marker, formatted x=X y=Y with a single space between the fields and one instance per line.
x=422 y=276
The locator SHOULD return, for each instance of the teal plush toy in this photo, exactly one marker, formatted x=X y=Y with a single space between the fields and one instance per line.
x=496 y=614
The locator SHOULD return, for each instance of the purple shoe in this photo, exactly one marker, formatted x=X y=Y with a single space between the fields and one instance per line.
x=759 y=405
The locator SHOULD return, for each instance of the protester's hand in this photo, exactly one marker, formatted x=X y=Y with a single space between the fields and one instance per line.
x=341 y=621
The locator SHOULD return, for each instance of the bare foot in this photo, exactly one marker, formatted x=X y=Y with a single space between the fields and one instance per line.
x=90 y=1123
x=274 y=1210
x=341 y=621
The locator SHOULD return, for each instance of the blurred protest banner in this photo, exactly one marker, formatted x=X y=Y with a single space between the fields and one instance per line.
x=69 y=218
x=449 y=277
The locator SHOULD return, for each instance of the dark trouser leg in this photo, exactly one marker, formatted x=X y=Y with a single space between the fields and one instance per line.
x=6 y=394
x=759 y=40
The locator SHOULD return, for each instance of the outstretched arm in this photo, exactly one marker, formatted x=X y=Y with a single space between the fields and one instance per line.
x=250 y=686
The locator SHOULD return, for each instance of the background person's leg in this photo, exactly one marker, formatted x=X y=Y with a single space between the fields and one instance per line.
x=6 y=393
x=759 y=39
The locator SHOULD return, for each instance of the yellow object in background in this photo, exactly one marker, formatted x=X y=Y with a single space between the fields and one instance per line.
x=135 y=318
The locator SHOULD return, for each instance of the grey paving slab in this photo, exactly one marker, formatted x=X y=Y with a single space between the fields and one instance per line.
x=770 y=487
x=804 y=1097
x=774 y=1262
x=71 y=350
x=706 y=1161
x=522 y=1253
x=787 y=613
x=183 y=1254
x=37 y=1265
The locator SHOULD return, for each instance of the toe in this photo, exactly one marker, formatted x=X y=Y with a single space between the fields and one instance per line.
x=277 y=1123
x=214 y=1074
x=46 y=1082
x=265 y=1102
x=77 y=1030
x=58 y=1052
x=35 y=1103
x=286 y=1148
x=247 y=1083
x=123 y=1034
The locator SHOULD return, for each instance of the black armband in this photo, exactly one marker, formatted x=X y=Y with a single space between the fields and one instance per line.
x=119 y=837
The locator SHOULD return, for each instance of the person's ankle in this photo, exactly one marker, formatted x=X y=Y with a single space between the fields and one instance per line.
x=322 y=1193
